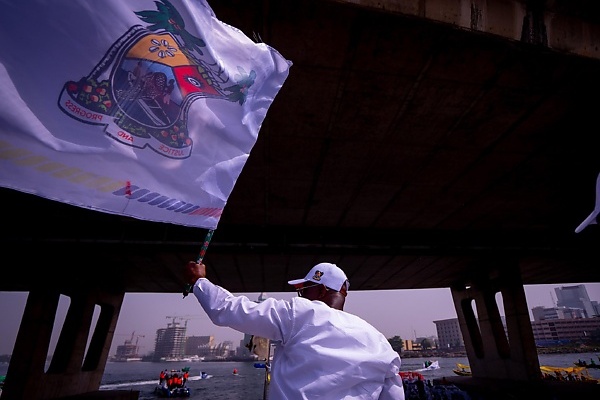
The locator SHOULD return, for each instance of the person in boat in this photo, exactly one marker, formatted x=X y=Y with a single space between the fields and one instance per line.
x=185 y=376
x=176 y=381
x=322 y=351
x=162 y=378
x=171 y=381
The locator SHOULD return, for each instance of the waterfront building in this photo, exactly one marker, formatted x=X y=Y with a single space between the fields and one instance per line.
x=449 y=335
x=170 y=342
x=199 y=345
x=552 y=313
x=570 y=321
x=561 y=331
x=129 y=350
x=575 y=297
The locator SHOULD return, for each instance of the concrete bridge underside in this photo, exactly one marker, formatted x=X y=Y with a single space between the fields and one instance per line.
x=418 y=144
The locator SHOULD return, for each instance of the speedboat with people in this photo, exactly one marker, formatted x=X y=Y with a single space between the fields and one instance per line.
x=462 y=370
x=204 y=375
x=429 y=366
x=547 y=372
x=570 y=374
x=164 y=391
x=173 y=384
x=585 y=364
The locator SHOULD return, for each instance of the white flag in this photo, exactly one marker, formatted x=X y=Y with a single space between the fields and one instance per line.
x=141 y=108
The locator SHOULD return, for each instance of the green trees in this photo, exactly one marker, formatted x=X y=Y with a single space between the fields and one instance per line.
x=426 y=344
x=397 y=343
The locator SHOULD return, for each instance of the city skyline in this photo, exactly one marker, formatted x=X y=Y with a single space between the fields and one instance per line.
x=405 y=313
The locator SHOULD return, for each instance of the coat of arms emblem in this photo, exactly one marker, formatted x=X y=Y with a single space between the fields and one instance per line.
x=142 y=90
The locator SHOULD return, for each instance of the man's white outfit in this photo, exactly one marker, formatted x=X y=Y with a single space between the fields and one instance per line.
x=323 y=353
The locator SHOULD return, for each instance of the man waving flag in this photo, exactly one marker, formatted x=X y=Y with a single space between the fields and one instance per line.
x=141 y=108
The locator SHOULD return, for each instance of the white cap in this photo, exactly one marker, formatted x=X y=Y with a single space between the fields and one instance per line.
x=591 y=219
x=326 y=274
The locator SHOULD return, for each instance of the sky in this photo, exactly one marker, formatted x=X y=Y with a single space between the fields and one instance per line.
x=405 y=313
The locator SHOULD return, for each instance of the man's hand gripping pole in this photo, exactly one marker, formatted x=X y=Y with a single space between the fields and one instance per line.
x=188 y=288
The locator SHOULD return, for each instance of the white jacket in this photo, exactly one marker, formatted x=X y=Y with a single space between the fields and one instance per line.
x=323 y=353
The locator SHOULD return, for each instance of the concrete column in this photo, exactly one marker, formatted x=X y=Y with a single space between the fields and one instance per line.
x=492 y=354
x=73 y=371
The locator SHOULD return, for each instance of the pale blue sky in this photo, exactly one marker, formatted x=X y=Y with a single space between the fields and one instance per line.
x=407 y=313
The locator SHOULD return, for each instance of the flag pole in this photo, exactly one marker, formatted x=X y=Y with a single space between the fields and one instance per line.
x=209 y=234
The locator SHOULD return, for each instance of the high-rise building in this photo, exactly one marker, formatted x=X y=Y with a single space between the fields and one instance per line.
x=559 y=331
x=170 y=341
x=199 y=345
x=575 y=297
x=570 y=321
x=548 y=313
x=449 y=335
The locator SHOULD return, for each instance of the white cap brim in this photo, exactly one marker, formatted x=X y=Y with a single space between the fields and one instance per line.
x=297 y=281
x=591 y=219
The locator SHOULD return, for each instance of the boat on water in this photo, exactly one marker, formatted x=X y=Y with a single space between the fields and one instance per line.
x=462 y=370
x=573 y=374
x=163 y=391
x=173 y=384
x=429 y=366
x=585 y=364
x=204 y=375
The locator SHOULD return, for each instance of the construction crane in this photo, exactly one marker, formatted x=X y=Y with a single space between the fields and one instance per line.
x=128 y=351
x=133 y=335
x=185 y=318
x=137 y=337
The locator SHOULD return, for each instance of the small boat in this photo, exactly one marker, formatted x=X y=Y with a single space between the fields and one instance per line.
x=204 y=375
x=575 y=374
x=584 y=364
x=173 y=384
x=235 y=371
x=462 y=370
x=429 y=366
x=162 y=391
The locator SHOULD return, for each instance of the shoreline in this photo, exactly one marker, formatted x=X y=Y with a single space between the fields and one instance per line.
x=462 y=353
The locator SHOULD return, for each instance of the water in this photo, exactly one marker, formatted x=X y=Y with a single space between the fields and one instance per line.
x=249 y=383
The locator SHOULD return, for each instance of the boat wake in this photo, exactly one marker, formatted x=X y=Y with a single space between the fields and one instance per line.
x=126 y=384
x=141 y=383
x=198 y=377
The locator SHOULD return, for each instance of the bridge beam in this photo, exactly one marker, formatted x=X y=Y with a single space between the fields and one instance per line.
x=558 y=25
x=73 y=371
x=493 y=352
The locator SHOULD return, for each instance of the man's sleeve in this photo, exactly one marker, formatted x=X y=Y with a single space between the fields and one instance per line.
x=392 y=389
x=268 y=319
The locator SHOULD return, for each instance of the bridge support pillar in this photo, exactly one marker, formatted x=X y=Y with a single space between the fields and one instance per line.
x=493 y=352
x=73 y=371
